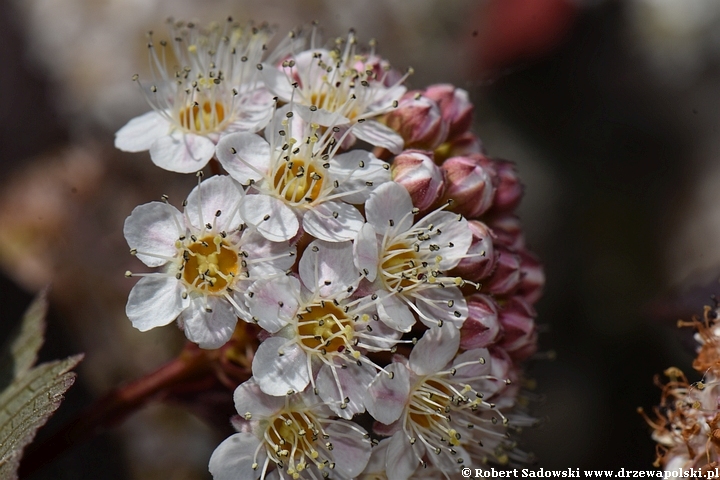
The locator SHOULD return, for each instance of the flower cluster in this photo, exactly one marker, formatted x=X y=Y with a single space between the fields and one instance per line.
x=686 y=425
x=389 y=283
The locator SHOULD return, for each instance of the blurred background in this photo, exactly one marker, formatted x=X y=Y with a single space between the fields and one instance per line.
x=610 y=109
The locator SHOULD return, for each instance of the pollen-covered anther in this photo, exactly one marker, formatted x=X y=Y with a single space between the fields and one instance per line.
x=210 y=264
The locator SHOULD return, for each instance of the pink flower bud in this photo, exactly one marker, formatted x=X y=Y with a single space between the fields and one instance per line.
x=466 y=144
x=506 y=277
x=481 y=328
x=481 y=258
x=508 y=232
x=509 y=190
x=422 y=178
x=517 y=318
x=455 y=107
x=532 y=277
x=419 y=121
x=469 y=184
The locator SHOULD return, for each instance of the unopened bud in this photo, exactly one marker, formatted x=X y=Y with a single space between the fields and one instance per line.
x=455 y=107
x=509 y=190
x=532 y=277
x=470 y=184
x=482 y=327
x=506 y=277
x=480 y=260
x=419 y=121
x=517 y=318
x=422 y=178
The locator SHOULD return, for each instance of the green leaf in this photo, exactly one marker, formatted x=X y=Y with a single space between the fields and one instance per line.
x=31 y=395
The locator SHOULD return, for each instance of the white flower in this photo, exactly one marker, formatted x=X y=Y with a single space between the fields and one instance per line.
x=299 y=173
x=434 y=409
x=318 y=330
x=406 y=260
x=208 y=261
x=212 y=91
x=292 y=435
x=342 y=88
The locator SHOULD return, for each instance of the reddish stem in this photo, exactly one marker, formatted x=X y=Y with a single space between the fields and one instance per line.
x=192 y=364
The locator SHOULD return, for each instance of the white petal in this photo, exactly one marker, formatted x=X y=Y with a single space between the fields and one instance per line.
x=141 y=132
x=270 y=216
x=476 y=369
x=354 y=380
x=155 y=301
x=447 y=304
x=351 y=451
x=209 y=329
x=328 y=267
x=435 y=349
x=233 y=458
x=274 y=256
x=454 y=231
x=154 y=228
x=256 y=109
x=218 y=193
x=376 y=464
x=245 y=156
x=375 y=133
x=389 y=204
x=277 y=374
x=323 y=117
x=274 y=302
x=394 y=313
x=365 y=251
x=182 y=153
x=278 y=123
x=401 y=461
x=333 y=221
x=386 y=397
x=277 y=82
x=249 y=399
x=354 y=170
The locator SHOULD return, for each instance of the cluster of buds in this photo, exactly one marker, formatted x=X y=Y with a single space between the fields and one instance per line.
x=686 y=425
x=388 y=286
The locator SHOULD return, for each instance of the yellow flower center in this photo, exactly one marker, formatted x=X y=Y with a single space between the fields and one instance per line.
x=324 y=328
x=202 y=117
x=401 y=266
x=210 y=264
x=298 y=181
x=290 y=439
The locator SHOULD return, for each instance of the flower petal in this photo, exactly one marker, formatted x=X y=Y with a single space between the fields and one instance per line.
x=266 y=258
x=435 y=349
x=333 y=221
x=358 y=171
x=182 y=152
x=441 y=304
x=209 y=329
x=375 y=133
x=454 y=241
x=323 y=117
x=270 y=216
x=354 y=381
x=394 y=313
x=141 y=132
x=277 y=374
x=350 y=450
x=328 y=267
x=389 y=208
x=245 y=156
x=154 y=228
x=219 y=193
x=274 y=302
x=233 y=459
x=401 y=462
x=249 y=399
x=365 y=252
x=277 y=82
x=155 y=301
x=386 y=397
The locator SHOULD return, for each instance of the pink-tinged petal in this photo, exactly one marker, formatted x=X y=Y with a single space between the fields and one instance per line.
x=365 y=252
x=478 y=363
x=274 y=302
x=155 y=301
x=417 y=171
x=358 y=171
x=255 y=112
x=379 y=135
x=277 y=82
x=328 y=267
x=394 y=313
x=441 y=304
x=454 y=240
x=389 y=208
x=435 y=349
x=333 y=221
x=275 y=255
x=482 y=327
x=401 y=461
x=350 y=450
x=354 y=381
x=386 y=398
x=279 y=368
x=141 y=132
x=218 y=193
x=233 y=459
x=270 y=216
x=376 y=464
x=182 y=152
x=249 y=399
x=320 y=116
x=209 y=322
x=154 y=228
x=245 y=156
